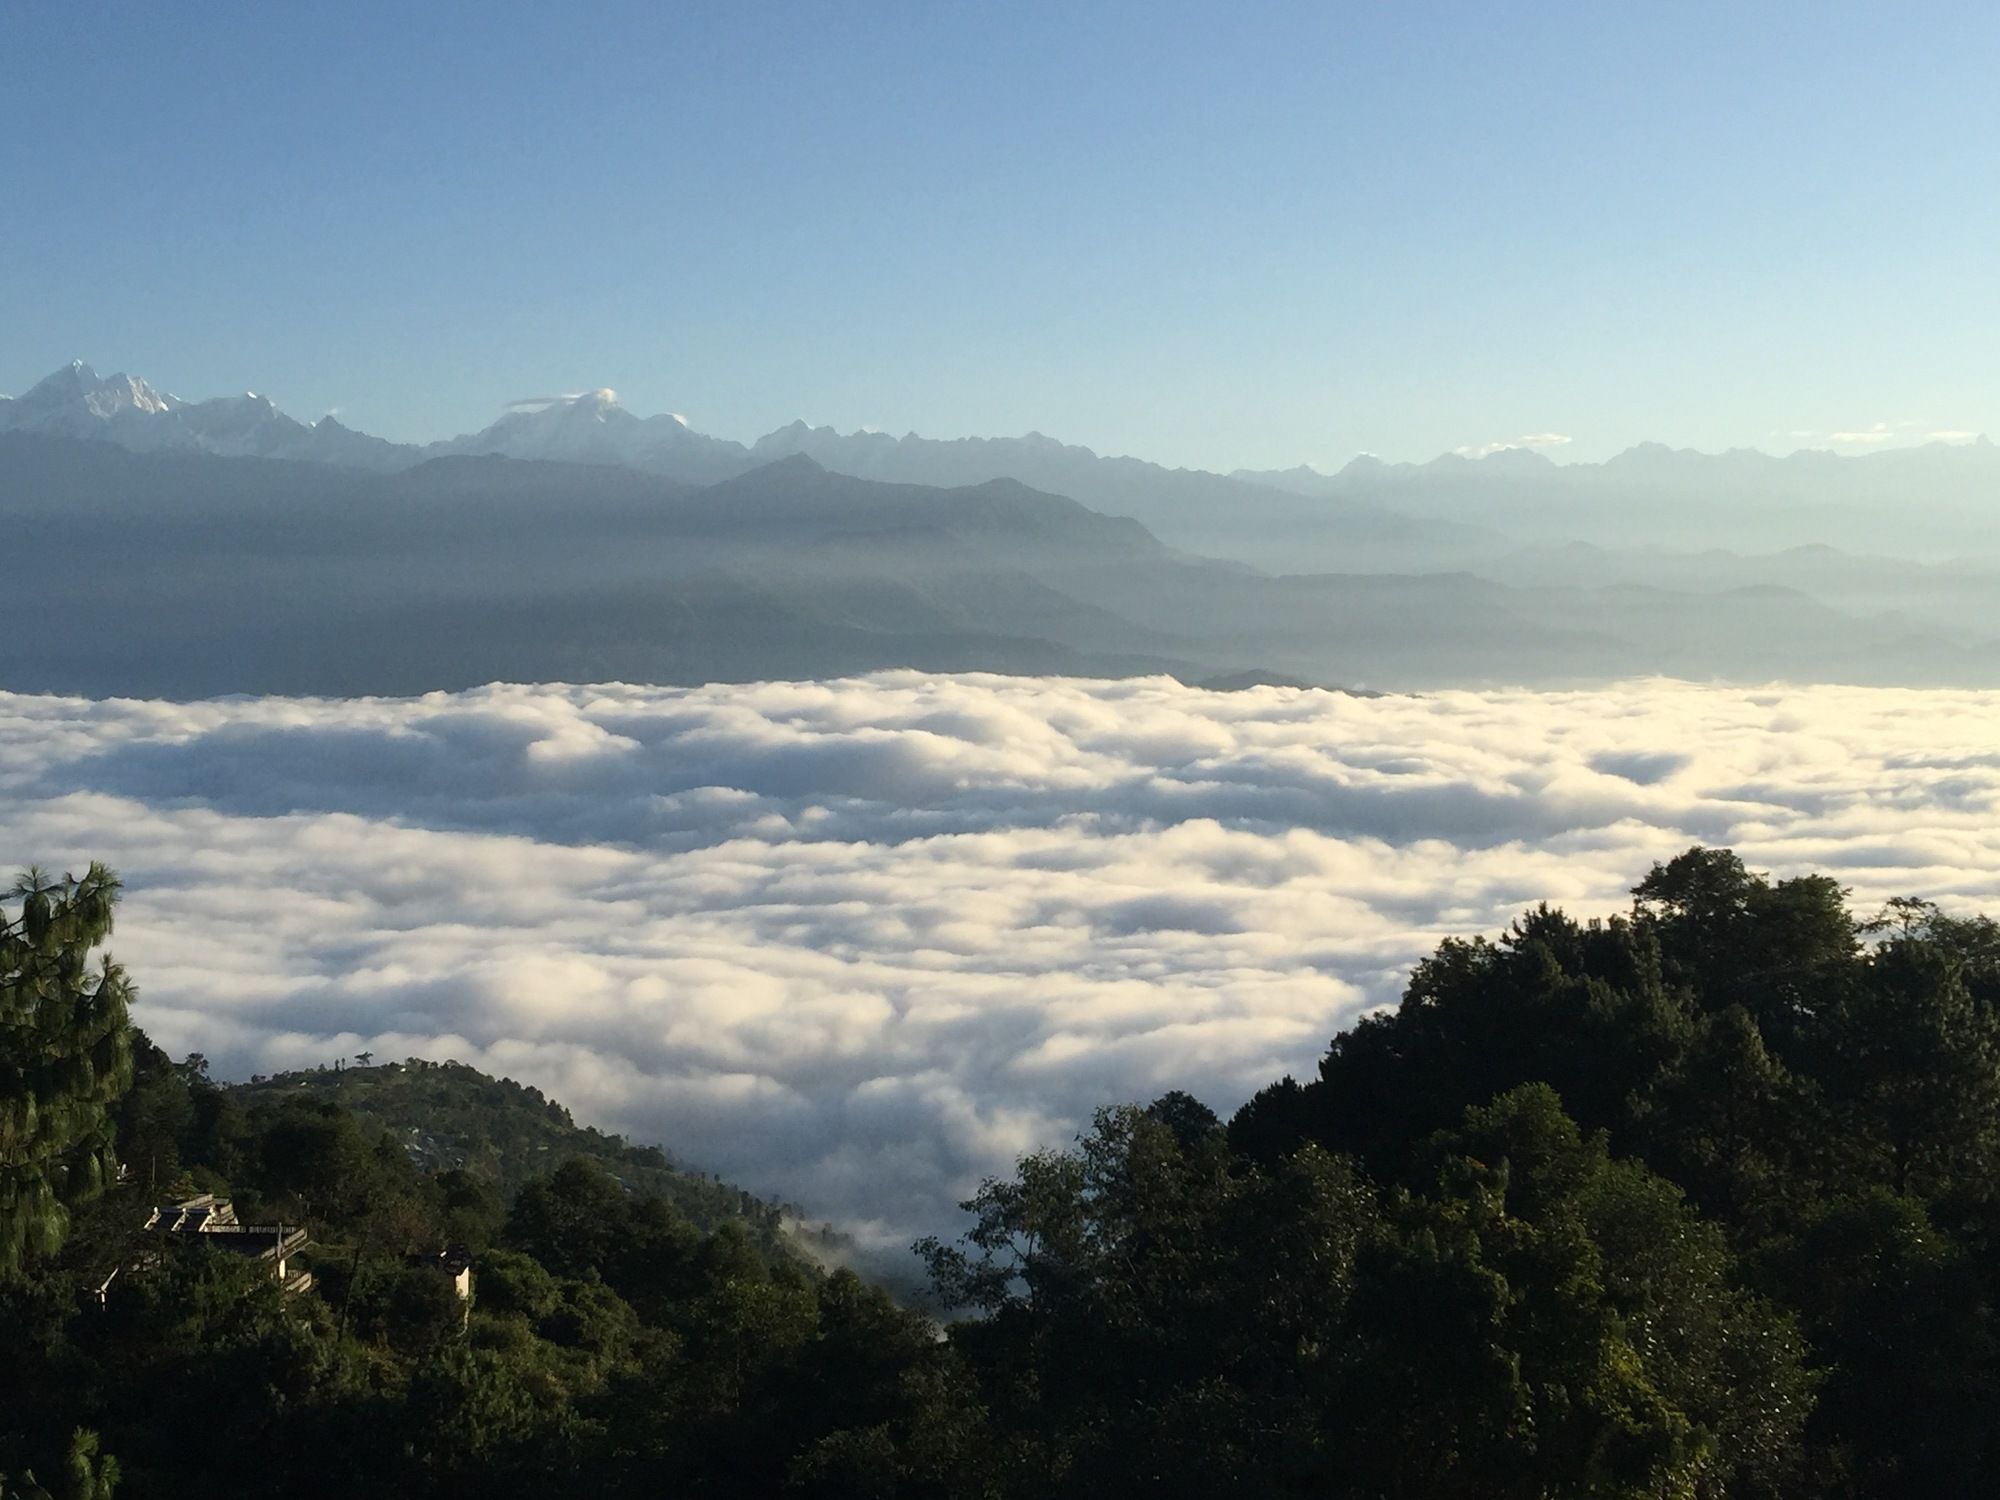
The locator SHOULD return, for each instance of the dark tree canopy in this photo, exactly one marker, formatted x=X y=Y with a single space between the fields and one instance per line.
x=65 y=1057
x=1696 y=1199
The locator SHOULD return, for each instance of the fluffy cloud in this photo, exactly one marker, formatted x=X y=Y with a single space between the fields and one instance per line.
x=536 y=403
x=1906 y=433
x=859 y=943
x=1535 y=440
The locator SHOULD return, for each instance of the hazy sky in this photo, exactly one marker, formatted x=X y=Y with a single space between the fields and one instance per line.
x=1212 y=235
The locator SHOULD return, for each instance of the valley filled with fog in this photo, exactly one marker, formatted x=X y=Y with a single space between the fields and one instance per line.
x=1193 y=752
x=980 y=782
x=860 y=942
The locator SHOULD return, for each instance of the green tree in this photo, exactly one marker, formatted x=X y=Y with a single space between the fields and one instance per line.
x=1905 y=1342
x=88 y=1474
x=1736 y=938
x=1913 y=1061
x=1158 y=1317
x=316 y=1156
x=1555 y=1322
x=474 y=1416
x=470 y=1209
x=156 y=1115
x=570 y=1220
x=1581 y=1007
x=65 y=1057
x=1969 y=945
x=412 y=1308
x=1732 y=1124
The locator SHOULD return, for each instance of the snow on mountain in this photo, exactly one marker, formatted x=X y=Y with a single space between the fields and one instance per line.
x=1437 y=514
x=854 y=453
x=76 y=402
x=593 y=428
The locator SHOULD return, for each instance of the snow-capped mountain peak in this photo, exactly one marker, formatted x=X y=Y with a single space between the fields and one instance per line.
x=78 y=386
x=593 y=427
x=76 y=402
x=66 y=384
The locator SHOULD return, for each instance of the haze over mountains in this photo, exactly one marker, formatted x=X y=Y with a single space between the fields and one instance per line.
x=233 y=548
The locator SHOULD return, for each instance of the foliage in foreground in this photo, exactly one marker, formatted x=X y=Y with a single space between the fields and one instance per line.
x=1693 y=1201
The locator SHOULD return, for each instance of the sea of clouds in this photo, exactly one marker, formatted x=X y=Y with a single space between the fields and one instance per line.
x=860 y=943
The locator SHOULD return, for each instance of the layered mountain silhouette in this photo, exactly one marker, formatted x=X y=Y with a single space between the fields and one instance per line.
x=178 y=572
x=1938 y=501
x=227 y=547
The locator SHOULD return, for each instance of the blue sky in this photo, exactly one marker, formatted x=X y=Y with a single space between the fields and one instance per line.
x=1211 y=235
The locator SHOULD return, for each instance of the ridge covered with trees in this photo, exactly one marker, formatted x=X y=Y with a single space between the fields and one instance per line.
x=449 y=1117
x=1693 y=1200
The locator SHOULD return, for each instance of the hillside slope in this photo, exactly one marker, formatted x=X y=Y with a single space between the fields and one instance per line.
x=448 y=1115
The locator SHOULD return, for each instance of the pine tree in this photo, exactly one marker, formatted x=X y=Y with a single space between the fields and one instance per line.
x=65 y=1057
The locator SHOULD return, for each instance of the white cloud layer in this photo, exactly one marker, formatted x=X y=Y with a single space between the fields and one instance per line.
x=1907 y=433
x=859 y=943
x=1868 y=437
x=1535 y=440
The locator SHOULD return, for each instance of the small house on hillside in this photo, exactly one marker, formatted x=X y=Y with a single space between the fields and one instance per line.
x=213 y=1221
x=454 y=1263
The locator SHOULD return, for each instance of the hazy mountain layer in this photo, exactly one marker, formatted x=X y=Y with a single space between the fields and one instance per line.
x=1935 y=502
x=1190 y=508
x=179 y=573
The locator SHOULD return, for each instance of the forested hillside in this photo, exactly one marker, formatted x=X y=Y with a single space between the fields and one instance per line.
x=449 y=1117
x=1696 y=1200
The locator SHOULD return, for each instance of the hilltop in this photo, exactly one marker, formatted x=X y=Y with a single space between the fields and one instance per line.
x=448 y=1116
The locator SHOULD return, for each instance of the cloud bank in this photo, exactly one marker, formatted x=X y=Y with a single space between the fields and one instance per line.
x=1533 y=440
x=859 y=943
x=1907 y=433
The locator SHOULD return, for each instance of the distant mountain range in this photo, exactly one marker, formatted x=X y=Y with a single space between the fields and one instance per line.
x=1189 y=508
x=177 y=573
x=226 y=547
x=1937 y=501
x=77 y=402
